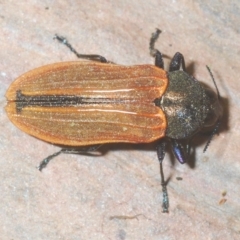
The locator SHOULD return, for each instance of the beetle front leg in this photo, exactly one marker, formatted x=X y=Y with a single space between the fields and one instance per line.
x=177 y=63
x=92 y=57
x=161 y=153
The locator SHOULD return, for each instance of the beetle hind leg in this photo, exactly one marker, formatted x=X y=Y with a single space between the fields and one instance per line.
x=92 y=57
x=80 y=150
x=45 y=161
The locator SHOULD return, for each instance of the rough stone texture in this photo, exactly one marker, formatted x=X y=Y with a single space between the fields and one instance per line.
x=80 y=197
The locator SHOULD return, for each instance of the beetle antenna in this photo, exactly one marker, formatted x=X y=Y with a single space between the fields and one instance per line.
x=210 y=72
x=215 y=130
x=217 y=125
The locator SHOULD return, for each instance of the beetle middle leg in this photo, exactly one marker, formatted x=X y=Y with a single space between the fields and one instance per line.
x=80 y=150
x=92 y=57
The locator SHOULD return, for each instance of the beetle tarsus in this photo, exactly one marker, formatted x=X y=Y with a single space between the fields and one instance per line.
x=153 y=40
x=161 y=153
x=45 y=161
x=92 y=57
x=165 y=202
x=154 y=52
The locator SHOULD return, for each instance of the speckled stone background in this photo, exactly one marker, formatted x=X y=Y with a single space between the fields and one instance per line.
x=118 y=195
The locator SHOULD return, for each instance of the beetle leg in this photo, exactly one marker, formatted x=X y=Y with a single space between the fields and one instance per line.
x=177 y=63
x=161 y=150
x=89 y=150
x=161 y=153
x=92 y=57
x=178 y=150
x=81 y=150
x=154 y=52
x=45 y=161
x=159 y=60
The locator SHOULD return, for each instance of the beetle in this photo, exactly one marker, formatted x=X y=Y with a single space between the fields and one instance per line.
x=90 y=103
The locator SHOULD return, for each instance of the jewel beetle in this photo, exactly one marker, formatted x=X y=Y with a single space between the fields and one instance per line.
x=83 y=104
